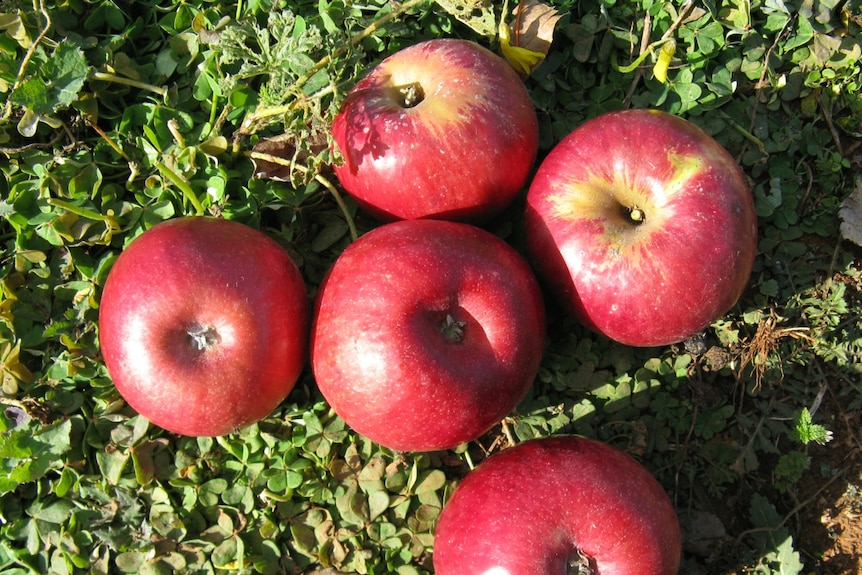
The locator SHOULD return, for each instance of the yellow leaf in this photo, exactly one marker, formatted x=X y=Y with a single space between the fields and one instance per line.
x=665 y=55
x=11 y=366
x=526 y=41
x=521 y=59
x=14 y=26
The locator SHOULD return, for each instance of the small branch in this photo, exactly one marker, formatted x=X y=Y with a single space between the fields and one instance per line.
x=827 y=115
x=647 y=32
x=745 y=133
x=33 y=146
x=114 y=146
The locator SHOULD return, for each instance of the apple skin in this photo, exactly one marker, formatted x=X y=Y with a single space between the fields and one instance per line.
x=462 y=153
x=243 y=295
x=663 y=279
x=382 y=353
x=533 y=508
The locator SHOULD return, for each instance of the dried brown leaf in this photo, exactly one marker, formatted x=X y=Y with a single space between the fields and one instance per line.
x=534 y=24
x=278 y=158
x=851 y=215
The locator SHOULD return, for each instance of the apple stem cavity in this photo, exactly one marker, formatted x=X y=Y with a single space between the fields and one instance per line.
x=411 y=94
x=203 y=337
x=453 y=331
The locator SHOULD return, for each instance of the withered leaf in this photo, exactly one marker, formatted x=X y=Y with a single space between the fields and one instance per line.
x=534 y=24
x=851 y=214
x=276 y=158
x=477 y=14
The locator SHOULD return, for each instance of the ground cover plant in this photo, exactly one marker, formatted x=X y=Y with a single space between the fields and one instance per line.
x=119 y=115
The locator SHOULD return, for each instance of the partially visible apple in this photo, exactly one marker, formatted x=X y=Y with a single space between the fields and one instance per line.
x=558 y=505
x=426 y=333
x=442 y=129
x=203 y=324
x=643 y=225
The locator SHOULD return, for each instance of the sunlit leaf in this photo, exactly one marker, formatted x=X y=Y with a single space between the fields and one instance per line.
x=525 y=41
x=477 y=14
x=662 y=63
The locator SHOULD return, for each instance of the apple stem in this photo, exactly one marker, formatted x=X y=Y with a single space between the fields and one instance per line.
x=581 y=564
x=411 y=94
x=453 y=331
x=203 y=337
x=636 y=215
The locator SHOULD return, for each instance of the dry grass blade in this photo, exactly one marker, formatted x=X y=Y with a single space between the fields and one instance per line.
x=765 y=343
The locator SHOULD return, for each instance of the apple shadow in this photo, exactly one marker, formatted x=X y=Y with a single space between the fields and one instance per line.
x=457 y=332
x=362 y=136
x=561 y=289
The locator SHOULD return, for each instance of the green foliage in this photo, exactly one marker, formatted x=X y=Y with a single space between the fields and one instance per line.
x=115 y=118
x=806 y=431
x=772 y=540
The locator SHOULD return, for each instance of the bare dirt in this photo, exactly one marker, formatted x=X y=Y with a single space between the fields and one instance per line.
x=828 y=526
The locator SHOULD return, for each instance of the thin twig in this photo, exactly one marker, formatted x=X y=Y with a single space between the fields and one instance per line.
x=351 y=225
x=183 y=185
x=666 y=37
x=827 y=115
x=330 y=187
x=647 y=32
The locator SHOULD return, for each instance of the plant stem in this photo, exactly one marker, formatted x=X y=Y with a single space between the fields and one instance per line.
x=331 y=188
x=22 y=70
x=746 y=134
x=106 y=77
x=114 y=146
x=341 y=205
x=84 y=212
x=183 y=185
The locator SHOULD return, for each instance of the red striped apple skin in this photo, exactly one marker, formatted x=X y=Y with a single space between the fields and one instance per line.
x=548 y=505
x=442 y=129
x=643 y=226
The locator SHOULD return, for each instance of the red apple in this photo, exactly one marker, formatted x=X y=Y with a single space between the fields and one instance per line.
x=643 y=225
x=558 y=505
x=426 y=333
x=203 y=325
x=443 y=129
